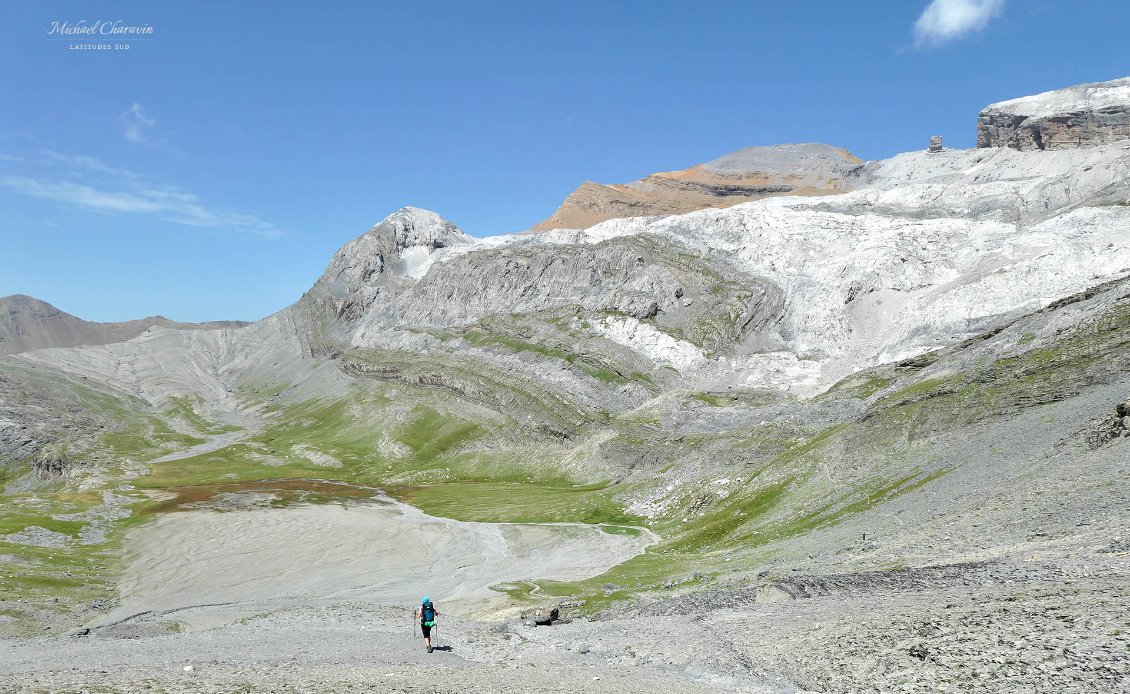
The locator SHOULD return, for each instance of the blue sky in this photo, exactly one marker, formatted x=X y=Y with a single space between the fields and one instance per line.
x=211 y=170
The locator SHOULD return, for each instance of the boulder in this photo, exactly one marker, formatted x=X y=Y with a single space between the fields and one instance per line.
x=547 y=618
x=541 y=616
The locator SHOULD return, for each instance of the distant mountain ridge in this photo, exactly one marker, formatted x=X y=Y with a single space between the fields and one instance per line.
x=748 y=174
x=27 y=323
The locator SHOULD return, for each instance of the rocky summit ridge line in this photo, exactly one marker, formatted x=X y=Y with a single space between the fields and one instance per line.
x=887 y=425
x=747 y=174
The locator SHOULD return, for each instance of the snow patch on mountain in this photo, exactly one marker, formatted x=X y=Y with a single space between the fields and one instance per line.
x=414 y=261
x=1083 y=97
x=648 y=340
x=779 y=370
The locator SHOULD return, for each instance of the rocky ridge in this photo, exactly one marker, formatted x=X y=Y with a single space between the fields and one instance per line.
x=27 y=323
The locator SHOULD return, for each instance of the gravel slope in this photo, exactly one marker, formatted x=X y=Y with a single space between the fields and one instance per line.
x=337 y=648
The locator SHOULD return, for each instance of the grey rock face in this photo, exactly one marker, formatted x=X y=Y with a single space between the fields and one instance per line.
x=708 y=301
x=465 y=290
x=1080 y=116
x=1080 y=129
x=935 y=144
x=614 y=278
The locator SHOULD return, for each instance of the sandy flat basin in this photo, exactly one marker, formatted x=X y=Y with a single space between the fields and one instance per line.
x=384 y=552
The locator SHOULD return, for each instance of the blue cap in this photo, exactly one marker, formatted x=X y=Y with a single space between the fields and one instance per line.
x=427 y=600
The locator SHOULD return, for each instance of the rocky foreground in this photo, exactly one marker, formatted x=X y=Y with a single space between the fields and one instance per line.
x=974 y=627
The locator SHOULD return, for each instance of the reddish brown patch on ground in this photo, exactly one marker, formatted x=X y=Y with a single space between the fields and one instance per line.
x=285 y=491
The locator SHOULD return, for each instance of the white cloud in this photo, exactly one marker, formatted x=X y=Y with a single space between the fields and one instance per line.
x=946 y=20
x=119 y=191
x=137 y=126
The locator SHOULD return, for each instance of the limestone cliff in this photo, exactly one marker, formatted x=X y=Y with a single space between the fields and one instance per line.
x=1080 y=116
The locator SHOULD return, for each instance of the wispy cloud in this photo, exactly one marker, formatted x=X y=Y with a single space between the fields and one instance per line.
x=81 y=195
x=137 y=125
x=81 y=161
x=119 y=191
x=947 y=20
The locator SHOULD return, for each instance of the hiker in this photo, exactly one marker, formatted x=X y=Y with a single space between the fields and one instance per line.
x=426 y=613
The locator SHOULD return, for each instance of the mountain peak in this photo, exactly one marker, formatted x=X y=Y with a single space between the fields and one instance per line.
x=747 y=174
x=415 y=226
x=793 y=160
x=392 y=254
x=24 y=301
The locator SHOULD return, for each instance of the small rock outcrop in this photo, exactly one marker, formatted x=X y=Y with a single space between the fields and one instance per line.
x=52 y=461
x=1115 y=426
x=1080 y=116
x=935 y=144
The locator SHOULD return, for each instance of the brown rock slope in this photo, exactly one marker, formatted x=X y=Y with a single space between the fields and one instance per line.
x=26 y=323
x=748 y=174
